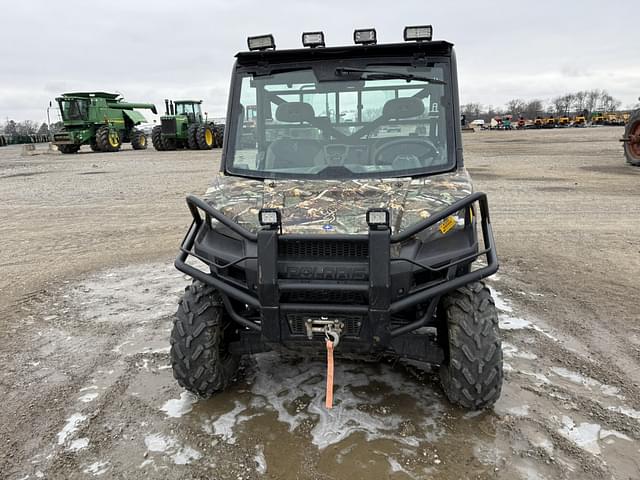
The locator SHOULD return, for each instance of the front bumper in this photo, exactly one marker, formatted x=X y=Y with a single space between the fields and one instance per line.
x=383 y=285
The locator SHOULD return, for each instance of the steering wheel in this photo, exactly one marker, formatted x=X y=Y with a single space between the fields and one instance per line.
x=422 y=149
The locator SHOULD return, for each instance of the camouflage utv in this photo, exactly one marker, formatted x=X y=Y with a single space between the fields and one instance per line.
x=349 y=224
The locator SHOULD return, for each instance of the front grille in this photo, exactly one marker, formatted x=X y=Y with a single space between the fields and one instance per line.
x=297 y=323
x=169 y=126
x=323 y=248
x=324 y=296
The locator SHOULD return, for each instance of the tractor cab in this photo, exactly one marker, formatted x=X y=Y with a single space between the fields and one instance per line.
x=73 y=109
x=191 y=109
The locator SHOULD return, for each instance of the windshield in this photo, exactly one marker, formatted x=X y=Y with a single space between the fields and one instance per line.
x=75 y=109
x=383 y=120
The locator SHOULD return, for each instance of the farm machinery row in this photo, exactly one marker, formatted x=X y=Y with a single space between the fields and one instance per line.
x=104 y=121
x=19 y=139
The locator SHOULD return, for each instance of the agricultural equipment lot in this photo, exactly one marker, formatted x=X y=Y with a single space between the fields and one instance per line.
x=88 y=293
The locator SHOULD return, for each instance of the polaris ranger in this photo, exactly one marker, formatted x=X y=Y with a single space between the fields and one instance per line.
x=349 y=225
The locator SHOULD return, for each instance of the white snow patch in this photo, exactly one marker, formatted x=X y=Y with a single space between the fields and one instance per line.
x=511 y=351
x=158 y=442
x=501 y=303
x=261 y=461
x=508 y=322
x=185 y=455
x=97 y=468
x=541 y=379
x=613 y=433
x=79 y=444
x=88 y=397
x=73 y=422
x=92 y=387
x=629 y=412
x=148 y=461
x=177 y=407
x=180 y=455
x=584 y=435
x=588 y=382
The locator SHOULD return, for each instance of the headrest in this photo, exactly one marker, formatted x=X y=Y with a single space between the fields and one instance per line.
x=404 y=107
x=294 y=112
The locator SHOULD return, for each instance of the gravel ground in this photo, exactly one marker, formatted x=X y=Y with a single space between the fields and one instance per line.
x=88 y=291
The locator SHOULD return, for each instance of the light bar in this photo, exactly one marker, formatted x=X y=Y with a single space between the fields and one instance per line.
x=366 y=36
x=378 y=217
x=313 y=39
x=261 y=42
x=269 y=217
x=418 y=33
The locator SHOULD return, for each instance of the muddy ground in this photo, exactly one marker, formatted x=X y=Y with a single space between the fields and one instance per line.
x=88 y=292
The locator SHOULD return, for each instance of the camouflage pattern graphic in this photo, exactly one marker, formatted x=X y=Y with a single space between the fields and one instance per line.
x=336 y=206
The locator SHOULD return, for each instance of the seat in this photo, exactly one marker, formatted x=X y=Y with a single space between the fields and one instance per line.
x=294 y=153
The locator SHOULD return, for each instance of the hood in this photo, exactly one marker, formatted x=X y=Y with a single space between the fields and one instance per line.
x=336 y=206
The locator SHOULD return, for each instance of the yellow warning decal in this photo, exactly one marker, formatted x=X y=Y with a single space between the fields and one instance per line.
x=447 y=224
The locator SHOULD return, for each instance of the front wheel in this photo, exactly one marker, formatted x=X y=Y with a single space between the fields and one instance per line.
x=471 y=374
x=108 y=140
x=138 y=140
x=68 y=148
x=200 y=359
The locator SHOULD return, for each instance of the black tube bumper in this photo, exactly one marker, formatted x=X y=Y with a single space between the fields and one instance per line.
x=255 y=273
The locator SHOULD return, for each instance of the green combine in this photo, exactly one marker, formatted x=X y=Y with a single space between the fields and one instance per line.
x=183 y=126
x=102 y=120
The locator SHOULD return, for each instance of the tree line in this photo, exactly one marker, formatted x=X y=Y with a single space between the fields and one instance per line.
x=27 y=127
x=583 y=102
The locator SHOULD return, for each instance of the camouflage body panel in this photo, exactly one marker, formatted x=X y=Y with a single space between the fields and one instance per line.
x=336 y=206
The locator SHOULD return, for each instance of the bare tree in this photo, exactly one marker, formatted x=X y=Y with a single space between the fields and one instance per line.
x=43 y=130
x=10 y=128
x=26 y=127
x=580 y=99
x=534 y=108
x=516 y=106
x=591 y=103
x=471 y=110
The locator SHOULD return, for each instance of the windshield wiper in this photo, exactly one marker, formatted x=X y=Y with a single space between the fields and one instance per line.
x=383 y=75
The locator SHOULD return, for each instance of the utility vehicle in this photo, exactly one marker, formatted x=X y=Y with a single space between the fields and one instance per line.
x=361 y=231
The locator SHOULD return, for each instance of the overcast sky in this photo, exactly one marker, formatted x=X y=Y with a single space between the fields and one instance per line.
x=149 y=50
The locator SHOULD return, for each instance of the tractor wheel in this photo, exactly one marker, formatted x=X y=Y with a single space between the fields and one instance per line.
x=218 y=134
x=199 y=356
x=205 y=137
x=94 y=146
x=632 y=139
x=471 y=374
x=156 y=138
x=108 y=140
x=138 y=140
x=68 y=148
x=192 y=143
x=170 y=143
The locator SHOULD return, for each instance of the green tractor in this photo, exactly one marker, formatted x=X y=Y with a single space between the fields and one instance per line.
x=183 y=126
x=102 y=120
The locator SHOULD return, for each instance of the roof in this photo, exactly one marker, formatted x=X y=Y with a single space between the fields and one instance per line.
x=178 y=102
x=92 y=94
x=436 y=48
